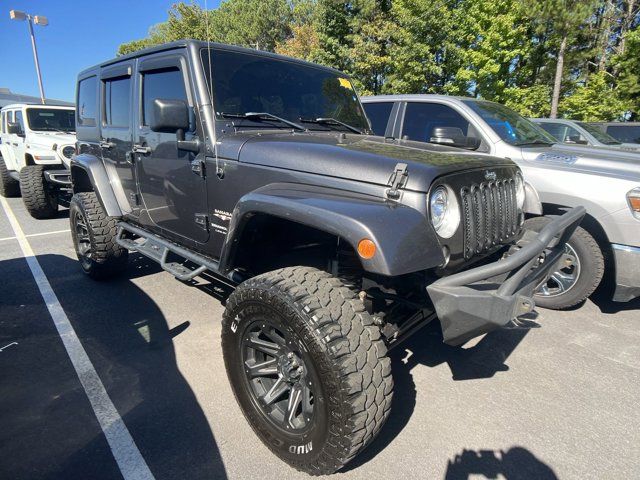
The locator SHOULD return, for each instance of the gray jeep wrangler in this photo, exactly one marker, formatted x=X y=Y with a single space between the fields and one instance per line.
x=259 y=171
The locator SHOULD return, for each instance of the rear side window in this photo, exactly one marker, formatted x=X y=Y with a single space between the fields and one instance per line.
x=117 y=101
x=167 y=84
x=378 y=114
x=421 y=119
x=87 y=102
x=625 y=133
x=2 y=122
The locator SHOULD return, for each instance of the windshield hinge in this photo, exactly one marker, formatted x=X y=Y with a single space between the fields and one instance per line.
x=398 y=180
x=202 y=221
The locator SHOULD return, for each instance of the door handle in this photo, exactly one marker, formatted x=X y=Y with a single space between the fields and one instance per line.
x=140 y=149
x=106 y=144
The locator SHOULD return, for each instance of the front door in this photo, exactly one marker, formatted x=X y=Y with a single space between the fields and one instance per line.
x=116 y=138
x=172 y=191
x=10 y=142
x=19 y=142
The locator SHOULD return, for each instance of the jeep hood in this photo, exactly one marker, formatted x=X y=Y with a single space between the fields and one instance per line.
x=585 y=159
x=356 y=157
x=48 y=139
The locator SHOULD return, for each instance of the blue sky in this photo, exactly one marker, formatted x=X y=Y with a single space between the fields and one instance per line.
x=80 y=33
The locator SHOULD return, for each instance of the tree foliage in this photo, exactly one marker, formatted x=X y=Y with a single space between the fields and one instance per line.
x=579 y=57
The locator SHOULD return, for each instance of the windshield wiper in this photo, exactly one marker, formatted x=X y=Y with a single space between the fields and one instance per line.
x=331 y=121
x=533 y=143
x=263 y=116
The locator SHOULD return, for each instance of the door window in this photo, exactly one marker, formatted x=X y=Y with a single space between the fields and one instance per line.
x=625 y=133
x=117 y=101
x=3 y=119
x=19 y=120
x=87 y=102
x=421 y=119
x=378 y=114
x=167 y=83
x=557 y=130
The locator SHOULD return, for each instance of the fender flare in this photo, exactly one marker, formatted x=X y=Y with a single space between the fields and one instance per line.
x=404 y=239
x=100 y=181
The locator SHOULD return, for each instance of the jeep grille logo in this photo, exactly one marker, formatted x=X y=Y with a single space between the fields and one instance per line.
x=489 y=175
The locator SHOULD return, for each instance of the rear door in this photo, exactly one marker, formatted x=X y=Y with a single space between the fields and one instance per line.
x=173 y=191
x=116 y=132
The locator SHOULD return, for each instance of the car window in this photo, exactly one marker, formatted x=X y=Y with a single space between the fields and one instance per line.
x=167 y=83
x=557 y=130
x=625 y=133
x=51 y=119
x=420 y=119
x=2 y=122
x=117 y=101
x=378 y=114
x=599 y=134
x=87 y=102
x=20 y=120
x=572 y=135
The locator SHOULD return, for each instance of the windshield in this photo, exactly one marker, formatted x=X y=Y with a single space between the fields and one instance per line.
x=245 y=82
x=599 y=134
x=509 y=125
x=51 y=120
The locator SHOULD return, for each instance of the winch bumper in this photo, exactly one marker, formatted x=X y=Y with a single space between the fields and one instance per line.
x=481 y=299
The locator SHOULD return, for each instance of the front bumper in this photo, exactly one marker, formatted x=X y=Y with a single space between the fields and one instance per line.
x=481 y=299
x=58 y=177
x=627 y=272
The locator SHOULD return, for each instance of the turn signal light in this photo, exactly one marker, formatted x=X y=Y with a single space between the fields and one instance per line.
x=366 y=248
x=633 y=197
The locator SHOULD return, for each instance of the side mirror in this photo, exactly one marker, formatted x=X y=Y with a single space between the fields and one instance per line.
x=169 y=116
x=454 y=137
x=576 y=139
x=15 y=128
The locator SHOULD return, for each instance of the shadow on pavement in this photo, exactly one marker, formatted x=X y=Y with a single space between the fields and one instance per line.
x=517 y=463
x=602 y=300
x=130 y=344
x=483 y=360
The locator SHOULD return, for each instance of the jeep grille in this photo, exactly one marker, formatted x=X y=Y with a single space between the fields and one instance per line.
x=490 y=215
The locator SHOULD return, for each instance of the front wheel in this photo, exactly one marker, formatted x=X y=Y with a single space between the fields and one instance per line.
x=578 y=276
x=307 y=366
x=94 y=237
x=40 y=198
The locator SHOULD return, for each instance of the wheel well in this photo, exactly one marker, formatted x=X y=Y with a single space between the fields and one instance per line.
x=591 y=225
x=267 y=243
x=80 y=180
x=28 y=159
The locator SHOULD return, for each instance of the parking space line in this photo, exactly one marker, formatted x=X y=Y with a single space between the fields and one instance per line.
x=4 y=239
x=124 y=450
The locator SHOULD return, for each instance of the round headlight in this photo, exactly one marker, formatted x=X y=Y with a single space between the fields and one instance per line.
x=520 y=191
x=68 y=151
x=444 y=211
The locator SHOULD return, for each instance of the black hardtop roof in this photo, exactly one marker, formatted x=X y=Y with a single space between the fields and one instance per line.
x=189 y=43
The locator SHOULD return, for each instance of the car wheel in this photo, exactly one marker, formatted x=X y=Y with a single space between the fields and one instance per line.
x=94 y=237
x=40 y=200
x=308 y=367
x=579 y=275
x=9 y=187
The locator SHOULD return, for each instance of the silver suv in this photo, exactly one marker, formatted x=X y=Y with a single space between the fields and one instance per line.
x=582 y=133
x=607 y=183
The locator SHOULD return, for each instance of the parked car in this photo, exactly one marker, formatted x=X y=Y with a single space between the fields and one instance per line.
x=36 y=143
x=582 y=133
x=337 y=245
x=607 y=183
x=627 y=132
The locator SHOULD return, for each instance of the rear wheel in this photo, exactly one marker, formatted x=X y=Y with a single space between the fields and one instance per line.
x=40 y=198
x=579 y=275
x=94 y=237
x=307 y=366
x=9 y=186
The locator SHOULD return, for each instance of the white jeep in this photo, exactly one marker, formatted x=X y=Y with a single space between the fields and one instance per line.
x=36 y=144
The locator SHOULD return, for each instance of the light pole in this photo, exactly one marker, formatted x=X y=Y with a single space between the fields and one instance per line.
x=38 y=20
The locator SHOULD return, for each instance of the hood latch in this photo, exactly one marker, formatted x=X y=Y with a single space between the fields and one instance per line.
x=398 y=180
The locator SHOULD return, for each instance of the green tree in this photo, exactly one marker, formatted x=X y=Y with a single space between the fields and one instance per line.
x=596 y=100
x=628 y=68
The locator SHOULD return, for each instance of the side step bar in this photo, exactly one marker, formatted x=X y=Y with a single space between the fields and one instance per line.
x=158 y=249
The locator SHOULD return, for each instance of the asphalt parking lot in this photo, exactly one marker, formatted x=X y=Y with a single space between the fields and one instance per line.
x=557 y=401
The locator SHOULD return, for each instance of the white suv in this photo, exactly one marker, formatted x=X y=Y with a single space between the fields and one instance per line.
x=36 y=143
